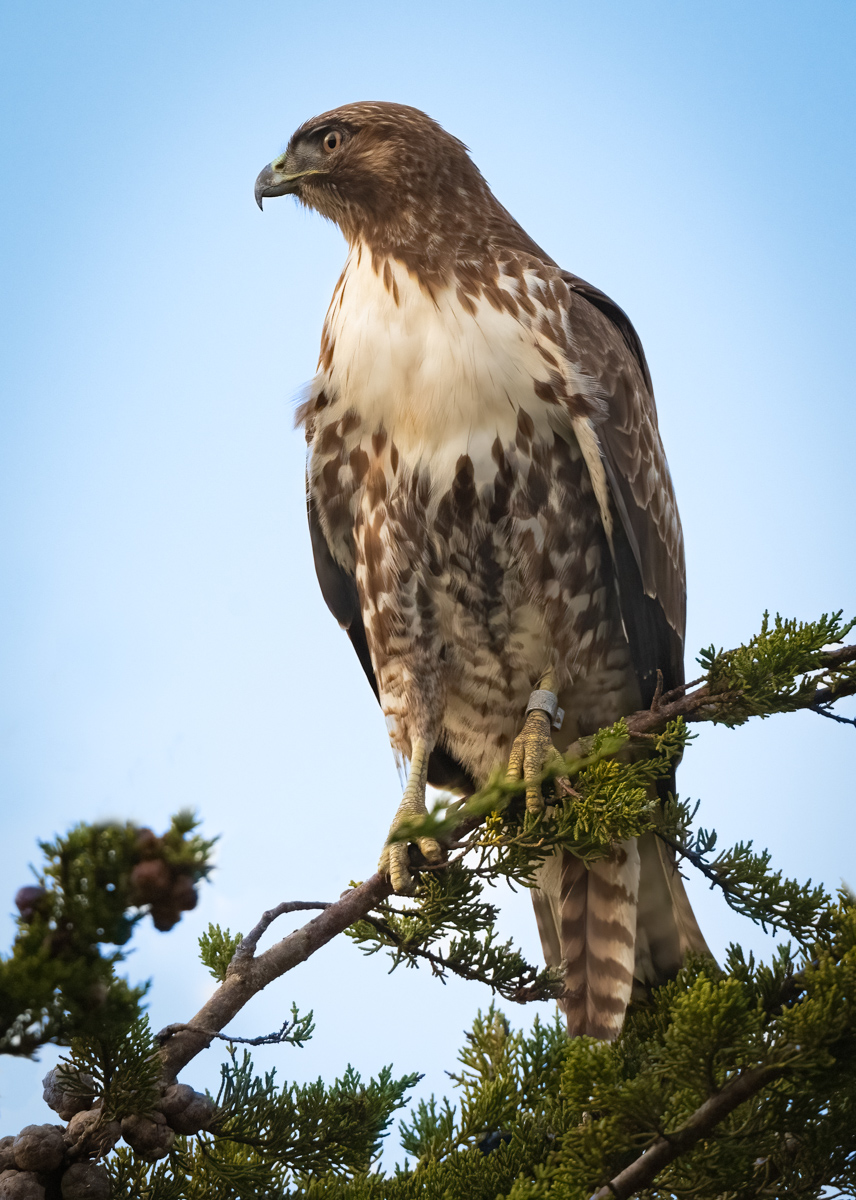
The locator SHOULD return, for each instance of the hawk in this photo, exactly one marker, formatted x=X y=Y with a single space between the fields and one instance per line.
x=491 y=513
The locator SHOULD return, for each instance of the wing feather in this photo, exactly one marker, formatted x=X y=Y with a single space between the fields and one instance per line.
x=647 y=541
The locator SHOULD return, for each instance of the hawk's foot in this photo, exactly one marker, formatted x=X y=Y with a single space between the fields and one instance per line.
x=532 y=752
x=395 y=857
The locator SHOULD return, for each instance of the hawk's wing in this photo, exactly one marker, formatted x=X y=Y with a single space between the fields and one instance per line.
x=647 y=541
x=627 y=919
x=339 y=589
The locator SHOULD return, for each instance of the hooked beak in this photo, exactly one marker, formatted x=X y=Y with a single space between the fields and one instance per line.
x=275 y=181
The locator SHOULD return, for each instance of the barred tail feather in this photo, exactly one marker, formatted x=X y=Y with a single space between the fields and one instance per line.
x=622 y=924
x=587 y=921
x=666 y=929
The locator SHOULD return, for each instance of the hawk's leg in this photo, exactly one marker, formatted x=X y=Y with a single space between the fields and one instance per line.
x=532 y=752
x=394 y=860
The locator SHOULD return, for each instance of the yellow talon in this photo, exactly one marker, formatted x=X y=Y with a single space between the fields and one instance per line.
x=395 y=857
x=531 y=753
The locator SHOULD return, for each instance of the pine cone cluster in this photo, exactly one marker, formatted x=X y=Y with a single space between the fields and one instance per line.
x=169 y=890
x=88 y=1135
x=181 y=1110
x=185 y=1110
x=28 y=901
x=35 y=1166
x=65 y=1101
x=53 y=1162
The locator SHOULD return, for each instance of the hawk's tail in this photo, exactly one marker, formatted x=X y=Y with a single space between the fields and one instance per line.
x=621 y=923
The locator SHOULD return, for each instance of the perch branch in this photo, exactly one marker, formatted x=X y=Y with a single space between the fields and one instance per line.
x=694 y=702
x=248 y=974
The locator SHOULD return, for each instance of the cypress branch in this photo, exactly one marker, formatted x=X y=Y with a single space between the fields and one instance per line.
x=644 y=1171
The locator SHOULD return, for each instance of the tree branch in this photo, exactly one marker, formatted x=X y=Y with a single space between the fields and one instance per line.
x=700 y=704
x=248 y=975
x=823 y=711
x=641 y=1173
x=283 y=1034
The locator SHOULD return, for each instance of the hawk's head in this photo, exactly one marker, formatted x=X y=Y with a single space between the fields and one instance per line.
x=374 y=166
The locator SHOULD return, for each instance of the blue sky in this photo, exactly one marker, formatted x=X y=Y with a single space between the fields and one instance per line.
x=162 y=640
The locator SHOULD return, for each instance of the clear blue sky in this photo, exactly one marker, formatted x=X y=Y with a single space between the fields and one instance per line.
x=162 y=640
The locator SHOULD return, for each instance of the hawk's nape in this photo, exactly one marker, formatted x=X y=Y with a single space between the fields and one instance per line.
x=491 y=513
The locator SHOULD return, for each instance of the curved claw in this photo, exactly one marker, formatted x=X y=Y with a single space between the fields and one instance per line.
x=395 y=865
x=532 y=751
x=395 y=862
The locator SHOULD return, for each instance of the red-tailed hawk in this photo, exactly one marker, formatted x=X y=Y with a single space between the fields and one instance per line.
x=491 y=512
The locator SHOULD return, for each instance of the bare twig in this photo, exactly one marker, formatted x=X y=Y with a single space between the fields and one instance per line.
x=644 y=1170
x=682 y=688
x=823 y=711
x=700 y=864
x=264 y=1039
x=247 y=948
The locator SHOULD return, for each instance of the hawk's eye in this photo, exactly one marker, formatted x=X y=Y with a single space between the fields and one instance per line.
x=332 y=140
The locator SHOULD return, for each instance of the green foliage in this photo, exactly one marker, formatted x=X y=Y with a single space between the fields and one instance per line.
x=267 y=1138
x=563 y=1118
x=697 y=1035
x=778 y=670
x=504 y=1074
x=58 y=983
x=503 y=1127
x=542 y=1118
x=217 y=949
x=125 y=1070
x=448 y=908
x=746 y=880
x=184 y=849
x=299 y=1029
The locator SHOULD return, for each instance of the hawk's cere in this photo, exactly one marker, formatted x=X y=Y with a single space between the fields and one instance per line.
x=491 y=512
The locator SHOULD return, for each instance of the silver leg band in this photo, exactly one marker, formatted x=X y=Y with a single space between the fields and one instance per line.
x=547 y=702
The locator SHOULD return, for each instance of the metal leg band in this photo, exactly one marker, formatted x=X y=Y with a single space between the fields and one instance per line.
x=547 y=702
